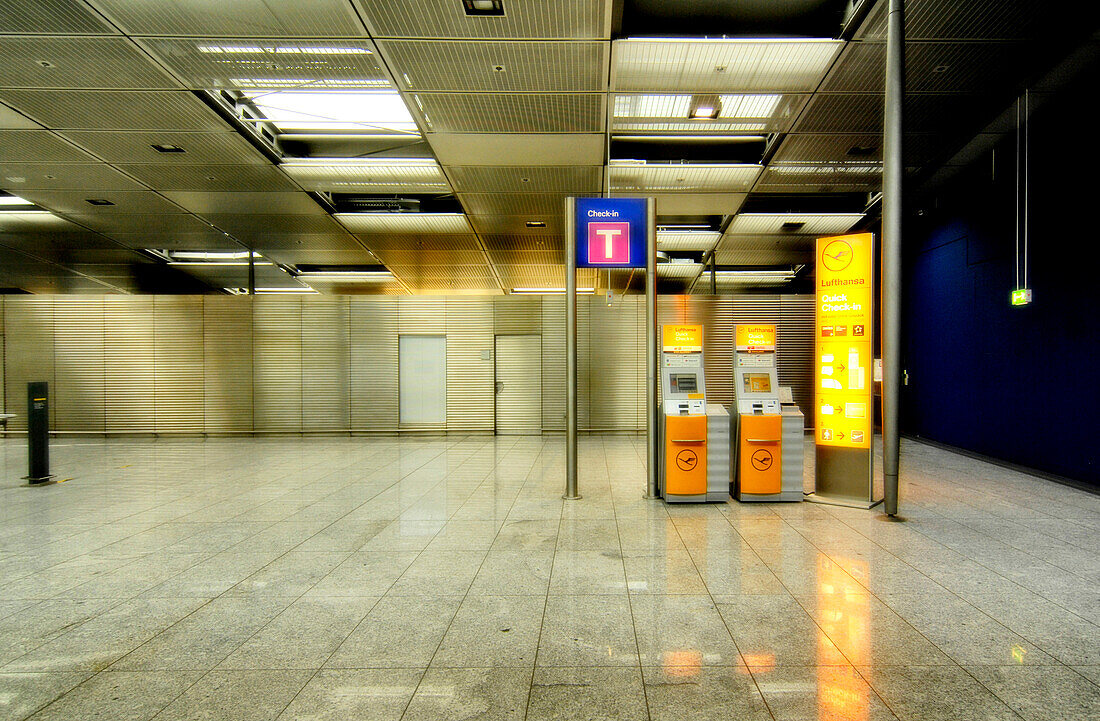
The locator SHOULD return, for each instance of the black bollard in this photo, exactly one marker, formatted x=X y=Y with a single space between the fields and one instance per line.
x=38 y=433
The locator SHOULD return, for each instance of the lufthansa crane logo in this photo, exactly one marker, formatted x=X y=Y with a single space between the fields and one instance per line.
x=837 y=255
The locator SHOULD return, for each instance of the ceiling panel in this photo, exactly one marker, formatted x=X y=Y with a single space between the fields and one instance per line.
x=695 y=177
x=841 y=114
x=210 y=177
x=278 y=240
x=543 y=276
x=380 y=243
x=525 y=257
x=517 y=224
x=518 y=149
x=209 y=239
x=13 y=120
x=236 y=276
x=115 y=110
x=454 y=256
x=721 y=65
x=109 y=223
x=774 y=242
x=686 y=240
x=522 y=20
x=822 y=177
x=484 y=179
x=691 y=203
x=368 y=223
x=36 y=221
x=198 y=148
x=30 y=146
x=813 y=223
x=60 y=17
x=212 y=63
x=544 y=204
x=975 y=19
x=244 y=18
x=776 y=256
x=471 y=66
x=526 y=243
x=125 y=202
x=738 y=113
x=511 y=112
x=813 y=148
x=929 y=67
x=302 y=256
x=57 y=62
x=254 y=227
x=373 y=176
x=204 y=203
x=862 y=112
x=63 y=176
x=683 y=271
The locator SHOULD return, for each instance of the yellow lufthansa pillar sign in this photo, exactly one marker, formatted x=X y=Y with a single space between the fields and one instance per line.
x=844 y=366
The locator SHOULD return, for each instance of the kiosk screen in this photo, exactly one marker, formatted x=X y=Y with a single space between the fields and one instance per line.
x=757 y=383
x=683 y=383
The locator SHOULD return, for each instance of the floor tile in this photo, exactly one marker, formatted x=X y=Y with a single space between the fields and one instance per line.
x=682 y=631
x=455 y=694
x=497 y=631
x=399 y=632
x=23 y=693
x=594 y=694
x=1041 y=693
x=588 y=630
x=695 y=692
x=236 y=696
x=120 y=696
x=339 y=695
x=819 y=693
x=934 y=692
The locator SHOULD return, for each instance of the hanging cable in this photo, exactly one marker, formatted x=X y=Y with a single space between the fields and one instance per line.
x=1027 y=173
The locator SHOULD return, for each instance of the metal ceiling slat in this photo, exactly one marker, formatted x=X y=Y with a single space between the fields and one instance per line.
x=78 y=62
x=511 y=112
x=213 y=63
x=34 y=146
x=491 y=179
x=367 y=223
x=64 y=176
x=114 y=110
x=51 y=17
x=125 y=202
x=254 y=178
x=471 y=66
x=241 y=18
x=374 y=176
x=683 y=178
x=572 y=19
x=225 y=148
x=719 y=65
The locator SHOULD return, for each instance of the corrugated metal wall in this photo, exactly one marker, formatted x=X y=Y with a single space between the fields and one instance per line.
x=222 y=364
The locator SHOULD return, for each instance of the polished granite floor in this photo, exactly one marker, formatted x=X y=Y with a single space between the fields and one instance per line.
x=437 y=579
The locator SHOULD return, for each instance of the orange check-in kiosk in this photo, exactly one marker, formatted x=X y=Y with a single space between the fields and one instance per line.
x=694 y=457
x=767 y=432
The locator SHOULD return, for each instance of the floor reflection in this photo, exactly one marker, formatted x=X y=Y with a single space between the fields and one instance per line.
x=842 y=607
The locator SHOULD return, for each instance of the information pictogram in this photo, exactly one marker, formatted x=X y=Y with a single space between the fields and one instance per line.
x=686 y=460
x=762 y=460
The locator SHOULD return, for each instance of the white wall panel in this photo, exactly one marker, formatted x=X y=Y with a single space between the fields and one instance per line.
x=277 y=364
x=128 y=355
x=227 y=363
x=178 y=360
x=28 y=353
x=470 y=364
x=325 y=361
x=373 y=361
x=78 y=395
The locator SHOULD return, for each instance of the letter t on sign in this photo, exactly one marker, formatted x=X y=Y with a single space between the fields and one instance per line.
x=609 y=243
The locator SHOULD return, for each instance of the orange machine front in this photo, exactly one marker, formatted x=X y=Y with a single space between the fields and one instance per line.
x=685 y=455
x=759 y=469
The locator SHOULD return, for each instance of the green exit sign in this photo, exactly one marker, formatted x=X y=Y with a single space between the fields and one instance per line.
x=1021 y=296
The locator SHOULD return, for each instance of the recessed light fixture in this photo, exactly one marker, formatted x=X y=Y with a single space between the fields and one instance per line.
x=792 y=226
x=705 y=107
x=941 y=68
x=862 y=151
x=167 y=148
x=97 y=201
x=46 y=63
x=536 y=224
x=498 y=68
x=483 y=8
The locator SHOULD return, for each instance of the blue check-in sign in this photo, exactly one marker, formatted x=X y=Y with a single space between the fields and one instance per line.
x=611 y=232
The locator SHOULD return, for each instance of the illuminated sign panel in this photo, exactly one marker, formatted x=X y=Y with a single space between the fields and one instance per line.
x=755 y=337
x=844 y=411
x=611 y=232
x=682 y=339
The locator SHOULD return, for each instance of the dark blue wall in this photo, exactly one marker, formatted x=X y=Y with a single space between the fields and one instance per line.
x=1021 y=384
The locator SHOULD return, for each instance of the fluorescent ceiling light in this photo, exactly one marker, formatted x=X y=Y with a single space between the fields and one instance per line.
x=358 y=83
x=218 y=263
x=255 y=49
x=346 y=276
x=551 y=290
x=652 y=106
x=284 y=291
x=328 y=110
x=695 y=138
x=9 y=201
x=207 y=255
x=749 y=106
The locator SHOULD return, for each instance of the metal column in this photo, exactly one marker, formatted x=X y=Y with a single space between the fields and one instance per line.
x=38 y=433
x=651 y=423
x=892 y=168
x=570 y=352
